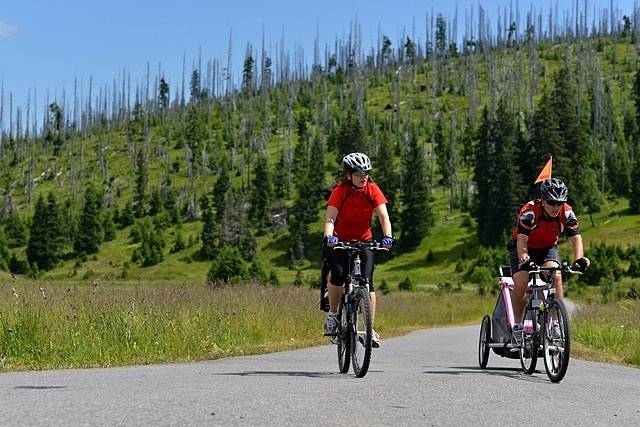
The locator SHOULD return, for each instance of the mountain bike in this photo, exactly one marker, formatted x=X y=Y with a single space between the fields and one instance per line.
x=355 y=323
x=545 y=327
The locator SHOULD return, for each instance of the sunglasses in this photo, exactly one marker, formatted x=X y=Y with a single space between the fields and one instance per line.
x=361 y=174
x=554 y=203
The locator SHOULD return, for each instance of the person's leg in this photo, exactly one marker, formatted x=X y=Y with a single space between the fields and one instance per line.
x=368 y=263
x=552 y=259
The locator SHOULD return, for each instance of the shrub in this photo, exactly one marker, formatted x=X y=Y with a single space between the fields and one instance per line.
x=229 y=267
x=407 y=285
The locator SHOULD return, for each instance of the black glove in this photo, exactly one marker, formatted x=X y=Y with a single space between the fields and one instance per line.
x=581 y=264
x=528 y=265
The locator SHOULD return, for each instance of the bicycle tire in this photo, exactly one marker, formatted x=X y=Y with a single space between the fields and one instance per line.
x=344 y=340
x=557 y=351
x=361 y=331
x=483 y=342
x=529 y=350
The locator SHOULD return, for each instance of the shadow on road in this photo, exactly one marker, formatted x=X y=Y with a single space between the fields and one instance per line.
x=332 y=375
x=38 y=387
x=512 y=373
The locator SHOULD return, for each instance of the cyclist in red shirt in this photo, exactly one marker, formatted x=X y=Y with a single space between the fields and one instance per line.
x=350 y=209
x=535 y=241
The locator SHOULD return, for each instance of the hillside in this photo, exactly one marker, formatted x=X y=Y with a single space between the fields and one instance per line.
x=164 y=155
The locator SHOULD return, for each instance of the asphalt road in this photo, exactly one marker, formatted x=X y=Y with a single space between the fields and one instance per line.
x=430 y=377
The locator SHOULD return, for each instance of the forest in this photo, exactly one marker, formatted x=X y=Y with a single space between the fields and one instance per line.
x=211 y=179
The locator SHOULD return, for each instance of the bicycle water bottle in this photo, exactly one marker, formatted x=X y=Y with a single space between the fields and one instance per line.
x=356 y=266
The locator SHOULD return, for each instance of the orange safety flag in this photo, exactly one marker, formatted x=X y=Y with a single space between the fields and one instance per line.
x=545 y=173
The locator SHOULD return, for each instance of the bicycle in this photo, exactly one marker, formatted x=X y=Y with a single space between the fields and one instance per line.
x=355 y=324
x=545 y=326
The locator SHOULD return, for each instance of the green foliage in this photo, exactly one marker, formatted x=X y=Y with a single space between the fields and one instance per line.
x=109 y=226
x=179 y=243
x=4 y=252
x=152 y=244
x=417 y=216
x=208 y=236
x=261 y=195
x=229 y=267
x=15 y=230
x=90 y=233
x=44 y=248
x=142 y=178
x=606 y=268
x=407 y=285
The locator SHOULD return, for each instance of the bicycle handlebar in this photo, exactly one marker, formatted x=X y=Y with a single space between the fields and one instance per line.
x=358 y=245
x=563 y=269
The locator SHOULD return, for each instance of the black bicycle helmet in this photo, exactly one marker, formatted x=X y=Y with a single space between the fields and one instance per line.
x=554 y=189
x=356 y=162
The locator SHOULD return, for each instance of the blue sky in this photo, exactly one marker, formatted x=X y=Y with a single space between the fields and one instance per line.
x=45 y=44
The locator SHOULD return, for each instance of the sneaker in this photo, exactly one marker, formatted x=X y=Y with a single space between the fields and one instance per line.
x=375 y=339
x=556 y=333
x=330 y=324
x=516 y=335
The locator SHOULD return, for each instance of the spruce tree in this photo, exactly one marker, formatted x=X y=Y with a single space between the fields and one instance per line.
x=443 y=152
x=45 y=238
x=4 y=252
x=142 y=177
x=634 y=197
x=261 y=194
x=234 y=229
x=90 y=231
x=15 y=230
x=386 y=178
x=208 y=236
x=109 y=226
x=416 y=217
x=220 y=190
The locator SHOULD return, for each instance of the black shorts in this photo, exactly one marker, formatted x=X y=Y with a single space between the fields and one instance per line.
x=537 y=255
x=337 y=261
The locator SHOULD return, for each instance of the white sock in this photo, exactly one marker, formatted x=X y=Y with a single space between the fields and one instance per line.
x=331 y=313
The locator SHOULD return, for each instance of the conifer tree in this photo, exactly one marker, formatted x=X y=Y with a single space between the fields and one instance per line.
x=261 y=194
x=208 y=236
x=416 y=217
x=220 y=190
x=442 y=150
x=280 y=189
x=634 y=197
x=15 y=230
x=45 y=238
x=109 y=226
x=90 y=231
x=152 y=245
x=234 y=229
x=386 y=178
x=142 y=177
x=4 y=252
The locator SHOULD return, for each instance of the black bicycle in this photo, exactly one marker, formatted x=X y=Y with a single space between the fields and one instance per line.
x=546 y=325
x=355 y=324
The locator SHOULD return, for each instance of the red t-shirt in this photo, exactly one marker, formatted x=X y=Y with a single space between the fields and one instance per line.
x=355 y=209
x=543 y=231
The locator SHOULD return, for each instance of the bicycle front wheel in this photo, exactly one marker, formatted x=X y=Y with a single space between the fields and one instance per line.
x=361 y=332
x=529 y=349
x=344 y=340
x=556 y=341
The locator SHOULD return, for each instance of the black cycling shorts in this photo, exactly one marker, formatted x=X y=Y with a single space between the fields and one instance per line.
x=537 y=255
x=338 y=259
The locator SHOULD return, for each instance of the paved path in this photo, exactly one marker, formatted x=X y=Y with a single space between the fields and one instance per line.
x=429 y=377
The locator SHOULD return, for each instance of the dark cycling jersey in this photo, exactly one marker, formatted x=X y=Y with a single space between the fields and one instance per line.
x=543 y=231
x=355 y=209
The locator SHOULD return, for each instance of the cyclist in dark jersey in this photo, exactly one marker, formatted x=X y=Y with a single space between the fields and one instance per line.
x=535 y=241
x=350 y=209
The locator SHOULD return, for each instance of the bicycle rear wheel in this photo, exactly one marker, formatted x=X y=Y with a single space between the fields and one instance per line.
x=344 y=340
x=361 y=332
x=483 y=344
x=556 y=346
x=529 y=349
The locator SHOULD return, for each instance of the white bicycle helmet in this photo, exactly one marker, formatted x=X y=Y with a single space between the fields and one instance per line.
x=356 y=162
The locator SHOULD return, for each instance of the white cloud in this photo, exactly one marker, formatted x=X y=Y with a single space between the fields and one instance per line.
x=7 y=30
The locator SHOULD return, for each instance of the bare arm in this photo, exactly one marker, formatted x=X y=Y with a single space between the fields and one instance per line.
x=521 y=245
x=330 y=220
x=576 y=242
x=383 y=217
